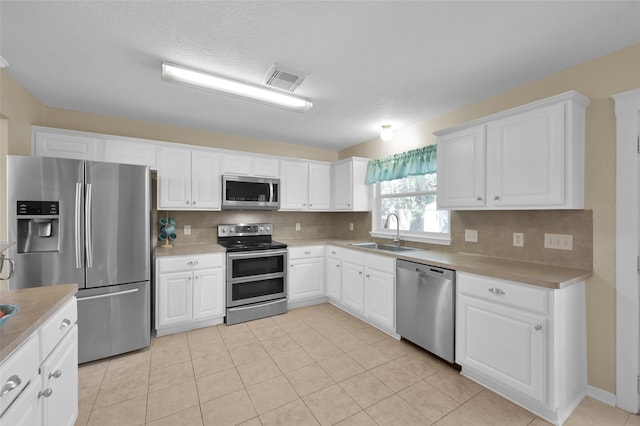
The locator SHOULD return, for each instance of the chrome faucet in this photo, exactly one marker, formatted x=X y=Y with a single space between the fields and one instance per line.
x=396 y=239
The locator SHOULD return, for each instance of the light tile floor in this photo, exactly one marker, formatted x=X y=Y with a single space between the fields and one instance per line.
x=315 y=365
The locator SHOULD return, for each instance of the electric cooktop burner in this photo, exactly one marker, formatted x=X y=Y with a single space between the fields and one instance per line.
x=247 y=237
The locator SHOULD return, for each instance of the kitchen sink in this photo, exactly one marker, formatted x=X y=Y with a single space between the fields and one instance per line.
x=384 y=247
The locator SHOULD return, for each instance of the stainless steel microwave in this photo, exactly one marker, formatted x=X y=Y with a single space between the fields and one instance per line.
x=250 y=193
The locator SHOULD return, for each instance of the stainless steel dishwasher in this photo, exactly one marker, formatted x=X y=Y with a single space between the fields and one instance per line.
x=425 y=307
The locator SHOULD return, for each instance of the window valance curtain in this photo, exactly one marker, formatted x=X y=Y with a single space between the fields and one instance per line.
x=419 y=161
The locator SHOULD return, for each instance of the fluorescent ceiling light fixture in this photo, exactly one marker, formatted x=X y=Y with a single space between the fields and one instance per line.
x=203 y=80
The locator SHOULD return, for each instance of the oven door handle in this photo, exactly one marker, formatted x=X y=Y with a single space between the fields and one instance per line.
x=256 y=253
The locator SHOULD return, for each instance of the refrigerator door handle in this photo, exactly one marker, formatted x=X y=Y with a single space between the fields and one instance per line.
x=78 y=213
x=87 y=226
x=100 y=296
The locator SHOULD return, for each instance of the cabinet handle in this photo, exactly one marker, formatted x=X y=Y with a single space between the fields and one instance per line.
x=496 y=291
x=337 y=266
x=368 y=276
x=333 y=252
x=307 y=252
x=187 y=203
x=479 y=198
x=56 y=374
x=310 y=205
x=46 y=393
x=359 y=272
x=192 y=263
x=11 y=383
x=64 y=324
x=497 y=197
x=538 y=327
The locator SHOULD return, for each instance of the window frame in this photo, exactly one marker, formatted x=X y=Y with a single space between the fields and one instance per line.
x=377 y=231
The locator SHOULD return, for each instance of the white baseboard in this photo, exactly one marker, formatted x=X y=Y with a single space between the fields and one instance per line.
x=601 y=395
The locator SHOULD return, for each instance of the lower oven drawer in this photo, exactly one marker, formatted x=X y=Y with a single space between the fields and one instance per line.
x=246 y=292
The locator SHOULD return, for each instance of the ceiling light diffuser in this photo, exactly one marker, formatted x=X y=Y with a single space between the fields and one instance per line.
x=386 y=134
x=224 y=85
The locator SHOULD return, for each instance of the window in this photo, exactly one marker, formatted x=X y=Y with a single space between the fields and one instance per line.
x=413 y=199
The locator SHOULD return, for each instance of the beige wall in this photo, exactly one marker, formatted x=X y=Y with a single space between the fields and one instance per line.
x=598 y=80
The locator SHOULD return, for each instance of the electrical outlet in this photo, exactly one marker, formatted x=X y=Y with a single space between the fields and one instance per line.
x=187 y=230
x=297 y=226
x=351 y=227
x=471 y=235
x=518 y=239
x=558 y=241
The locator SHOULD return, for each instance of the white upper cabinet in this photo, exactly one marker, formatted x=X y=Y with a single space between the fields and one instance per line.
x=348 y=187
x=530 y=157
x=188 y=180
x=66 y=144
x=130 y=152
x=305 y=186
x=249 y=165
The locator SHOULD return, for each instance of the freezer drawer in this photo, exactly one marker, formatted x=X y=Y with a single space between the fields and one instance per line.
x=113 y=320
x=425 y=307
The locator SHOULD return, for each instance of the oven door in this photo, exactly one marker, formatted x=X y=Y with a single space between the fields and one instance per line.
x=256 y=276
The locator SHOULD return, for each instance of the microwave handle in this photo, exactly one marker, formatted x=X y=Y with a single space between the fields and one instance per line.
x=271 y=191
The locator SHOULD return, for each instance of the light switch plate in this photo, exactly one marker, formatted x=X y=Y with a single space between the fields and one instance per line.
x=471 y=235
x=297 y=226
x=558 y=241
x=187 y=230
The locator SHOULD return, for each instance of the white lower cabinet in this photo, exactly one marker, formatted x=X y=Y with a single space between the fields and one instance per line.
x=190 y=292
x=333 y=273
x=305 y=274
x=525 y=342
x=368 y=287
x=40 y=379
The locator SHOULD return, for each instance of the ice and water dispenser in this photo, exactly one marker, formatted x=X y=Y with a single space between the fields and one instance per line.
x=38 y=226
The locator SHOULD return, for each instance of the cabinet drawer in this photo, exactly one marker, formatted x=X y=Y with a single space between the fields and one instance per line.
x=353 y=256
x=57 y=327
x=504 y=292
x=333 y=251
x=188 y=263
x=303 y=252
x=17 y=370
x=381 y=263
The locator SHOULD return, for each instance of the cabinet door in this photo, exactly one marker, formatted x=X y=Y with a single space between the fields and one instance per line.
x=208 y=293
x=60 y=378
x=319 y=186
x=175 y=298
x=205 y=180
x=461 y=168
x=504 y=344
x=342 y=186
x=236 y=165
x=174 y=179
x=266 y=167
x=306 y=278
x=379 y=301
x=334 y=278
x=525 y=165
x=353 y=286
x=129 y=152
x=294 y=185
x=77 y=147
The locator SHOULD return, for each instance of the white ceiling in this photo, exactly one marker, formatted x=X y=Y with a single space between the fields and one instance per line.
x=369 y=62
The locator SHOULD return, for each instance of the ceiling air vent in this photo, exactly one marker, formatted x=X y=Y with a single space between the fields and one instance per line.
x=282 y=78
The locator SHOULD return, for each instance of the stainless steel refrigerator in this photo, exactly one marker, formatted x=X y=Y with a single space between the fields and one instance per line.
x=88 y=223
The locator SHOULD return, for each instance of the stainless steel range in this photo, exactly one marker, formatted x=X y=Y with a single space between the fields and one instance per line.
x=256 y=272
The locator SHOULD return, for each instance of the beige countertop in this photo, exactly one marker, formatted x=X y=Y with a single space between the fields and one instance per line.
x=36 y=307
x=525 y=272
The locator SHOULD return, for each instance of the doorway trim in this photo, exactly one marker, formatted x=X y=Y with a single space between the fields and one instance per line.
x=627 y=110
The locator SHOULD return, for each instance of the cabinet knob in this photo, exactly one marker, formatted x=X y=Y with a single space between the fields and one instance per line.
x=538 y=327
x=46 y=393
x=193 y=202
x=11 y=383
x=187 y=202
x=496 y=291
x=56 y=374
x=497 y=197
x=337 y=266
x=64 y=324
x=310 y=205
x=479 y=198
x=189 y=278
x=359 y=272
x=367 y=275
